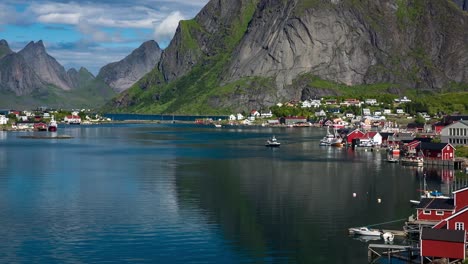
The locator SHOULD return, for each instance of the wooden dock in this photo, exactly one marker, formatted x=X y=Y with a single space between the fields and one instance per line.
x=407 y=253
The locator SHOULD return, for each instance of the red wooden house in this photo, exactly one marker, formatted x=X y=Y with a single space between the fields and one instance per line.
x=461 y=198
x=435 y=209
x=441 y=151
x=355 y=134
x=458 y=221
x=443 y=243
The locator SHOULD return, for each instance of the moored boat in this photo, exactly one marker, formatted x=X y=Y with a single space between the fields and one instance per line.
x=272 y=142
x=364 y=231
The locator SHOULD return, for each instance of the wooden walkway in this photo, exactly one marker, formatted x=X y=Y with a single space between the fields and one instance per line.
x=406 y=253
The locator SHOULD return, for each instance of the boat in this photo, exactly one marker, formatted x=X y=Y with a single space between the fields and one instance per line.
x=217 y=125
x=331 y=139
x=365 y=231
x=52 y=126
x=434 y=194
x=272 y=142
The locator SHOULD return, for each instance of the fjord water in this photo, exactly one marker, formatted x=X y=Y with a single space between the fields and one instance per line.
x=174 y=193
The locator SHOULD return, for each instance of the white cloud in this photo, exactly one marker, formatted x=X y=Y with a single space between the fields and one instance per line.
x=166 y=29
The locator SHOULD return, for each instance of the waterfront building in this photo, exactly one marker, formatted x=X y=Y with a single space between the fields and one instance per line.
x=455 y=133
x=436 y=151
x=3 y=120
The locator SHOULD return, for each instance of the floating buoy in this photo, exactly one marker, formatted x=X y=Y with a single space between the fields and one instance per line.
x=354 y=194
x=379 y=200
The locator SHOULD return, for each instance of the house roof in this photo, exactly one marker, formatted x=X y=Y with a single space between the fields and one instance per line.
x=432 y=146
x=371 y=134
x=461 y=190
x=436 y=203
x=443 y=235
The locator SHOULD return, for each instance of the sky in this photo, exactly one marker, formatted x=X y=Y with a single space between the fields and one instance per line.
x=92 y=34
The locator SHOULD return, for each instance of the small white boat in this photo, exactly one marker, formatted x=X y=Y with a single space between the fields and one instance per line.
x=365 y=231
x=272 y=142
x=414 y=202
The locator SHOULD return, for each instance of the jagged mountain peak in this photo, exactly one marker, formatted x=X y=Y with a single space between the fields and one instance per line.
x=4 y=48
x=37 y=47
x=123 y=74
x=45 y=65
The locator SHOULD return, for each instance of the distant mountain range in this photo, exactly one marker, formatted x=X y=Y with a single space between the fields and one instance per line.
x=251 y=54
x=31 y=77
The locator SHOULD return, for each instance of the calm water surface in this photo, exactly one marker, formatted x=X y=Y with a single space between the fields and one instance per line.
x=186 y=194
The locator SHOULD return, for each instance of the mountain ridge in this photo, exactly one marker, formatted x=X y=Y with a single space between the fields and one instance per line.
x=254 y=56
x=122 y=74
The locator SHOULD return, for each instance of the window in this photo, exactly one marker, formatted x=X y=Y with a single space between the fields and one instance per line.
x=427 y=212
x=439 y=212
x=459 y=226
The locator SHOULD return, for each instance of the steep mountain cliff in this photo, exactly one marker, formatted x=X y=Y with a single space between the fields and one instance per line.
x=237 y=55
x=123 y=74
x=45 y=65
x=17 y=77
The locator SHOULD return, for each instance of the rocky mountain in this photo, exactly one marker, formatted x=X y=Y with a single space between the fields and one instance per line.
x=45 y=65
x=123 y=74
x=236 y=55
x=4 y=48
x=17 y=77
x=32 y=77
x=80 y=78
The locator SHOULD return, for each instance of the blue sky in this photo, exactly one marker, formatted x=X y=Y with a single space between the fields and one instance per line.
x=92 y=33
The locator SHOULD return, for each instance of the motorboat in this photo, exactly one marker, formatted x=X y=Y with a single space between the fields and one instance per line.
x=434 y=194
x=365 y=231
x=272 y=142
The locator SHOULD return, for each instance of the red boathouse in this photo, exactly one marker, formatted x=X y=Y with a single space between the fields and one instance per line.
x=443 y=243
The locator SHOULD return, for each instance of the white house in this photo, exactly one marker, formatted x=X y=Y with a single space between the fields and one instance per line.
x=266 y=115
x=72 y=119
x=400 y=111
x=321 y=113
x=240 y=116
x=366 y=112
x=387 y=111
x=3 y=120
x=377 y=113
x=232 y=118
x=306 y=104
x=371 y=101
x=455 y=134
x=350 y=115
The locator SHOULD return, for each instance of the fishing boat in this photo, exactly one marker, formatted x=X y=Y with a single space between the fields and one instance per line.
x=52 y=126
x=272 y=142
x=364 y=231
x=330 y=139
